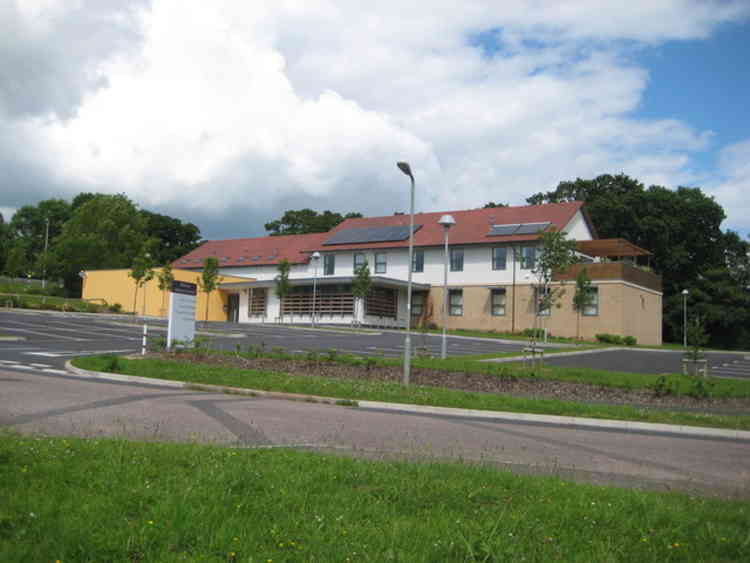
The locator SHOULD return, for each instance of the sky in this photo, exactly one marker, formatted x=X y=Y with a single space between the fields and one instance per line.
x=227 y=113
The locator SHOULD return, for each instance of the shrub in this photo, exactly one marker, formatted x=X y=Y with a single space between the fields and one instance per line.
x=606 y=338
x=630 y=340
x=112 y=363
x=534 y=332
x=116 y=308
x=664 y=387
x=700 y=389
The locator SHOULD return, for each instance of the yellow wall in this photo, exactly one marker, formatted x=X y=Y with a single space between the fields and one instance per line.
x=116 y=286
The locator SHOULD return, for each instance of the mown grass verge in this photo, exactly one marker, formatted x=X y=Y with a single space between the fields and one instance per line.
x=359 y=389
x=107 y=500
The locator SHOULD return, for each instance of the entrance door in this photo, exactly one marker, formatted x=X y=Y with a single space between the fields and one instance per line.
x=233 y=315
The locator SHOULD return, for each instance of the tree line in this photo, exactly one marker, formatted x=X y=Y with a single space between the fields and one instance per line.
x=57 y=238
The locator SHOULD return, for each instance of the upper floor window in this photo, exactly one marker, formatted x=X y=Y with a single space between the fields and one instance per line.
x=329 y=264
x=457 y=259
x=592 y=308
x=359 y=260
x=499 y=256
x=380 y=263
x=528 y=257
x=417 y=262
x=498 y=301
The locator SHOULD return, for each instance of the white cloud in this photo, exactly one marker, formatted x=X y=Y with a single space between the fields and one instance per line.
x=734 y=189
x=236 y=110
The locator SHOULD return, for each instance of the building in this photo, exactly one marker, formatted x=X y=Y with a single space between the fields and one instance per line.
x=490 y=278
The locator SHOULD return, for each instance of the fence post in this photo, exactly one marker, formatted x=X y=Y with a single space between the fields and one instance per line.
x=145 y=337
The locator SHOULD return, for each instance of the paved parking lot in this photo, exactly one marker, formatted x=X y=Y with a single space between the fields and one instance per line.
x=52 y=338
x=656 y=362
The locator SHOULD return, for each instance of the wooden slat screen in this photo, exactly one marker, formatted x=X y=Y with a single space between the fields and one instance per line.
x=381 y=302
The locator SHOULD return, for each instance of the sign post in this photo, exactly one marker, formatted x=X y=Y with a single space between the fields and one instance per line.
x=181 y=327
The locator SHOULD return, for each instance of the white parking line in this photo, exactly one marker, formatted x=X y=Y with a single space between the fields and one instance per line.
x=41 y=365
x=39 y=333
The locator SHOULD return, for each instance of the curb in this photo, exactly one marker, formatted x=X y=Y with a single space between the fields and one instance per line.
x=594 y=423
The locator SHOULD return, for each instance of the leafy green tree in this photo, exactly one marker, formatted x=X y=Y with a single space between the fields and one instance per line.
x=17 y=263
x=105 y=232
x=165 y=277
x=303 y=221
x=175 y=237
x=210 y=278
x=282 y=284
x=492 y=205
x=142 y=272
x=361 y=284
x=556 y=254
x=29 y=224
x=582 y=297
x=5 y=242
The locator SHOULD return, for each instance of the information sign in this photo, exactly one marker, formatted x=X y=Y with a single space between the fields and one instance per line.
x=181 y=326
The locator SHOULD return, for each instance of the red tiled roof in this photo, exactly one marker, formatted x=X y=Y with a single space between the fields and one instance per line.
x=472 y=226
x=262 y=251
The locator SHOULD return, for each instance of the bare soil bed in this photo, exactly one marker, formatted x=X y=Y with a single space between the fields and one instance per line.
x=523 y=386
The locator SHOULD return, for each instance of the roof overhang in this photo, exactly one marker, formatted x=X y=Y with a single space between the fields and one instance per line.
x=610 y=247
x=378 y=281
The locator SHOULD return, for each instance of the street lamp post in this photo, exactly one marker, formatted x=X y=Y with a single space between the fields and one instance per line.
x=447 y=221
x=316 y=259
x=684 y=317
x=406 y=169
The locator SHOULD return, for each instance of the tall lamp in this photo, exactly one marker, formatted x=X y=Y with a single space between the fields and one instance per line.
x=406 y=169
x=316 y=259
x=447 y=221
x=684 y=317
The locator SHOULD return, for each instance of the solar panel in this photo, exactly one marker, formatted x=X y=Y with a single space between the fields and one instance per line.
x=503 y=230
x=531 y=228
x=371 y=234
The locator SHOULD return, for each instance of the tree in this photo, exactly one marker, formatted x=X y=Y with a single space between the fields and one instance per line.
x=582 y=298
x=175 y=237
x=5 y=242
x=165 y=277
x=142 y=272
x=282 y=284
x=556 y=254
x=105 y=232
x=29 y=224
x=17 y=264
x=303 y=221
x=209 y=279
x=492 y=205
x=361 y=284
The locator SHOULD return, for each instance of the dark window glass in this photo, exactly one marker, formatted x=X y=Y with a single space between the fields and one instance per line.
x=359 y=260
x=592 y=309
x=457 y=260
x=498 y=302
x=499 y=255
x=418 y=261
x=380 y=263
x=329 y=264
x=456 y=302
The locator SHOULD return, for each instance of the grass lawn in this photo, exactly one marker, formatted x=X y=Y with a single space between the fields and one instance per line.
x=360 y=389
x=73 y=500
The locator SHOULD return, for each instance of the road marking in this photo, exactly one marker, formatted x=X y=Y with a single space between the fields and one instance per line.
x=46 y=334
x=45 y=354
x=56 y=371
x=41 y=365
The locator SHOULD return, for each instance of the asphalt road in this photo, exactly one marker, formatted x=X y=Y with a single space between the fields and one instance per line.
x=656 y=362
x=36 y=402
x=52 y=338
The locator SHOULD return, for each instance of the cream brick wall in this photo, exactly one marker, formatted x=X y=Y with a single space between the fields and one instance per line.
x=623 y=309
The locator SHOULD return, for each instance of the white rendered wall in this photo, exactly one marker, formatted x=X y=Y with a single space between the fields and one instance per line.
x=577 y=229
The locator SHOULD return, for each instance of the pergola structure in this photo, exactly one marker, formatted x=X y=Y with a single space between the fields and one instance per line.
x=613 y=248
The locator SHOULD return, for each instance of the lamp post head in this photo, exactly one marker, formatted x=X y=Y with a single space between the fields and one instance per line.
x=447 y=221
x=405 y=168
x=685 y=292
x=316 y=255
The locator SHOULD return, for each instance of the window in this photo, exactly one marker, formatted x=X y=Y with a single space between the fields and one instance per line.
x=359 y=260
x=380 y=263
x=499 y=255
x=539 y=294
x=456 y=302
x=329 y=264
x=592 y=309
x=417 y=263
x=498 y=302
x=528 y=257
x=457 y=259
x=417 y=304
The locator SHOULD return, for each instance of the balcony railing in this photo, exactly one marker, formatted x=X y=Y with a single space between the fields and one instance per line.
x=613 y=271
